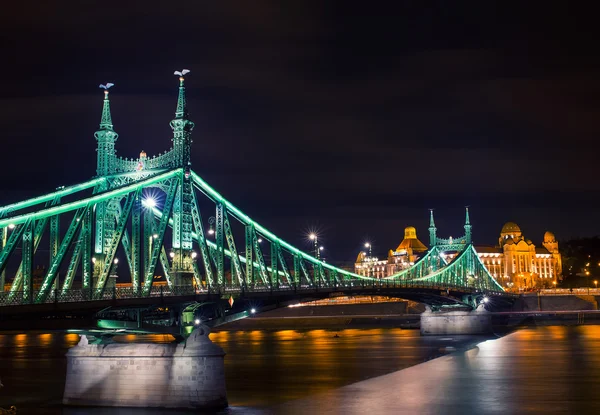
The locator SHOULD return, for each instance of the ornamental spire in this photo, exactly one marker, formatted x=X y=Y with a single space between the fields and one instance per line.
x=181 y=111
x=467 y=225
x=432 y=230
x=106 y=120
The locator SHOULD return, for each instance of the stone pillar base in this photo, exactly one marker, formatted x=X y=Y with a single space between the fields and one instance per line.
x=186 y=375
x=456 y=322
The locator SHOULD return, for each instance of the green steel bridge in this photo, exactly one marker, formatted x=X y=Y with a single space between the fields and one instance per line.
x=152 y=210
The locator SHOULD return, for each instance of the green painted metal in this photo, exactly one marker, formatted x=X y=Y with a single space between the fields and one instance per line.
x=17 y=284
x=158 y=242
x=64 y=191
x=70 y=275
x=274 y=260
x=249 y=250
x=236 y=266
x=86 y=261
x=219 y=239
x=13 y=240
x=92 y=200
x=297 y=276
x=262 y=268
x=54 y=243
x=27 y=263
x=136 y=246
x=164 y=259
x=284 y=267
x=64 y=246
x=197 y=220
x=3 y=239
x=111 y=249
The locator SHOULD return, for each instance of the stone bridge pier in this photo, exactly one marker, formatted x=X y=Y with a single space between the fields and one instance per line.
x=177 y=375
x=434 y=323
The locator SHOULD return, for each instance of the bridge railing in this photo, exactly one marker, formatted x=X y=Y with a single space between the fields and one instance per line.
x=122 y=293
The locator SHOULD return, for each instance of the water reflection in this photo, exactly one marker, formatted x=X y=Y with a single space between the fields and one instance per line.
x=266 y=368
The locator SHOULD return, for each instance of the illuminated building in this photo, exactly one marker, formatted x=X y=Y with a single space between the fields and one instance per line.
x=516 y=263
x=405 y=255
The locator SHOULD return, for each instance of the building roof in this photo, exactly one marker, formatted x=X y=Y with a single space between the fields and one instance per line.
x=488 y=250
x=411 y=241
x=541 y=250
x=510 y=227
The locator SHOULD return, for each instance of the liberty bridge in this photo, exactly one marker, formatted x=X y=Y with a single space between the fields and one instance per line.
x=152 y=210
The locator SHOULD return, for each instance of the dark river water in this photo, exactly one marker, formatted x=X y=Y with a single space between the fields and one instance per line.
x=536 y=370
x=263 y=368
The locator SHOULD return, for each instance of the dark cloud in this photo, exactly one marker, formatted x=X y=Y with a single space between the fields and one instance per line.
x=353 y=116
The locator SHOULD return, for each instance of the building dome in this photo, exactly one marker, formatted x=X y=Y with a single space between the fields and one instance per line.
x=510 y=227
x=410 y=232
x=549 y=237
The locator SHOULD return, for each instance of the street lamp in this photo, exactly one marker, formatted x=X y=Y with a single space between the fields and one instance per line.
x=596 y=284
x=554 y=282
x=368 y=245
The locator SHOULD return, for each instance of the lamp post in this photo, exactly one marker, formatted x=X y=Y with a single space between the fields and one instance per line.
x=369 y=246
x=313 y=237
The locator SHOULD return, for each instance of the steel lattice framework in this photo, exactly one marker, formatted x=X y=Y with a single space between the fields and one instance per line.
x=113 y=211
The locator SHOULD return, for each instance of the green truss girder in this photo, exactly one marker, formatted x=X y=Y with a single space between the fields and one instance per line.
x=27 y=262
x=136 y=246
x=17 y=283
x=304 y=271
x=64 y=246
x=262 y=268
x=236 y=267
x=73 y=263
x=8 y=209
x=92 y=200
x=274 y=260
x=111 y=250
x=219 y=240
x=284 y=267
x=13 y=240
x=197 y=221
x=164 y=260
x=249 y=236
x=164 y=220
x=86 y=256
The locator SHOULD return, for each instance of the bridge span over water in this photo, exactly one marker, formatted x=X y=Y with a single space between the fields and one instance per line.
x=152 y=211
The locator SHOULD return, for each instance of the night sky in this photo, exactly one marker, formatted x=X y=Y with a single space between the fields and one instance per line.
x=351 y=118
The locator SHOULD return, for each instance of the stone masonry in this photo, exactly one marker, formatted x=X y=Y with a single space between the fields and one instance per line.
x=185 y=375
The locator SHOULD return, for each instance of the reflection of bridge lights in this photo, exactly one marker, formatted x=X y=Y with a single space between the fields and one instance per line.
x=149 y=202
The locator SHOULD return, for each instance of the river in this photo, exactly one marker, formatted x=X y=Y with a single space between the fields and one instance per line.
x=263 y=368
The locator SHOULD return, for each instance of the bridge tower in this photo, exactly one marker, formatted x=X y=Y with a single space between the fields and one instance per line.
x=467 y=226
x=106 y=159
x=432 y=230
x=182 y=265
